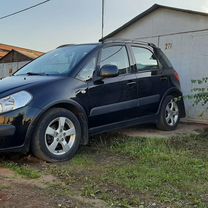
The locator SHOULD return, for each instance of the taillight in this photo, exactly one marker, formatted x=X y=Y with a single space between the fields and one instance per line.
x=177 y=76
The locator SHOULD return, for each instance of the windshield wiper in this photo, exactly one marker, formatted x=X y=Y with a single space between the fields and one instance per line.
x=34 y=74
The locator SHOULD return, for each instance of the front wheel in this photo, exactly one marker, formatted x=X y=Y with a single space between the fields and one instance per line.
x=57 y=136
x=169 y=115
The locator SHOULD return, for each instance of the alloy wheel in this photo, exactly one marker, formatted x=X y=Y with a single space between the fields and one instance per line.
x=60 y=136
x=172 y=113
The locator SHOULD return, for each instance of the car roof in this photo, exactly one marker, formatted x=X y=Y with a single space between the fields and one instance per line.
x=68 y=45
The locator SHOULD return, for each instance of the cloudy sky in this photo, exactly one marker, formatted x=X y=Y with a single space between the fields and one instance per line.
x=72 y=21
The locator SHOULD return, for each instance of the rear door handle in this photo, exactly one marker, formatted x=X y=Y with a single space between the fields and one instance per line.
x=163 y=78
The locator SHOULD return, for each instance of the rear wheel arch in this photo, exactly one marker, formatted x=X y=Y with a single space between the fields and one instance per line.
x=175 y=93
x=75 y=108
x=168 y=117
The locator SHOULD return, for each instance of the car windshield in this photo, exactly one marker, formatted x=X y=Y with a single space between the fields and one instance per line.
x=60 y=61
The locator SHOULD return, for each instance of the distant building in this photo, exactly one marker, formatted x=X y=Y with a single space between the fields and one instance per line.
x=183 y=36
x=12 y=58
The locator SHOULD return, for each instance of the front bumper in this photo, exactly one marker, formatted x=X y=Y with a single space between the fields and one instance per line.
x=14 y=128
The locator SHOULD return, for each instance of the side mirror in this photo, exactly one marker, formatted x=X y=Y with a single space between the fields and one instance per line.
x=108 y=71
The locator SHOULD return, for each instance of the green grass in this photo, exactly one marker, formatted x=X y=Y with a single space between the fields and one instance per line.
x=125 y=171
x=82 y=161
x=23 y=170
x=4 y=187
x=172 y=175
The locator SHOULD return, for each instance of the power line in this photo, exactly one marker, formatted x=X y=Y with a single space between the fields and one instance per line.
x=23 y=10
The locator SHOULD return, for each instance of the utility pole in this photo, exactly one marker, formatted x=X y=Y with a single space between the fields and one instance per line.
x=103 y=15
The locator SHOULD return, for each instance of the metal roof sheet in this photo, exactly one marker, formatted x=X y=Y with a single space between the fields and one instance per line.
x=5 y=49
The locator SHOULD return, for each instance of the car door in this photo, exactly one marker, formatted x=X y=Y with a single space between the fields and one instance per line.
x=151 y=79
x=112 y=99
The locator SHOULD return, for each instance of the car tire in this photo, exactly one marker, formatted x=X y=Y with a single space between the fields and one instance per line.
x=57 y=136
x=169 y=116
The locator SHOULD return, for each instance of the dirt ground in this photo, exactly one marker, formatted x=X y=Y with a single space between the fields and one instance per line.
x=152 y=131
x=17 y=192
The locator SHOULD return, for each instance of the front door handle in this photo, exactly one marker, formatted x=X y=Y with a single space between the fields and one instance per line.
x=131 y=83
x=82 y=91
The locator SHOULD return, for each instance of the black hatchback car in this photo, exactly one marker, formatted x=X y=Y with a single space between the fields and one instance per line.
x=53 y=104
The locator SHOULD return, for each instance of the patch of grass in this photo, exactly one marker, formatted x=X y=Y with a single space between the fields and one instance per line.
x=194 y=144
x=4 y=187
x=60 y=189
x=91 y=190
x=81 y=160
x=171 y=174
x=23 y=170
x=71 y=171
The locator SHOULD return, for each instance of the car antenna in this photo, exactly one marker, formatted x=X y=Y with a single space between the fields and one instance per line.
x=103 y=16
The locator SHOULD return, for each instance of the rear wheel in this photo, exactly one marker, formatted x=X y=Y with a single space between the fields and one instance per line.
x=57 y=136
x=169 y=114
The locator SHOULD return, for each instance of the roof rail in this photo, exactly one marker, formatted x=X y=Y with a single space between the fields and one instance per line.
x=66 y=45
x=114 y=40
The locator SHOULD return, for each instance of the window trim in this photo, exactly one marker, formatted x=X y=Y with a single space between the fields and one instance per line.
x=134 y=58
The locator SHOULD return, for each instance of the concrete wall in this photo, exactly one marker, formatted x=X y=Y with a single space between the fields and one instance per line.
x=189 y=56
x=6 y=69
x=188 y=51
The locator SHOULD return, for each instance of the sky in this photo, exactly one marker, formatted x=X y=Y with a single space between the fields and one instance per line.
x=60 y=22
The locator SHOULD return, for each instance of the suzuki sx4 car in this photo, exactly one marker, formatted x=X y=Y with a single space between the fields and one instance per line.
x=55 y=103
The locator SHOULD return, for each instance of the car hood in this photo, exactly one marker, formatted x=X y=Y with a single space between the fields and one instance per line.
x=16 y=83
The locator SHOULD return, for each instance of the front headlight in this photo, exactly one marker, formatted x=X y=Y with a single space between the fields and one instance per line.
x=15 y=101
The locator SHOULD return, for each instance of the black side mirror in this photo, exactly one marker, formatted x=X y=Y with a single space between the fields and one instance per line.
x=108 y=71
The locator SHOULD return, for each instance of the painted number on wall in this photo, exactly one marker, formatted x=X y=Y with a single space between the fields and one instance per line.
x=168 y=46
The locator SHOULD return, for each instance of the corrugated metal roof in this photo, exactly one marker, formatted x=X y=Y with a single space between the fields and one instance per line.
x=147 y=12
x=5 y=49
x=2 y=53
x=18 y=56
x=31 y=54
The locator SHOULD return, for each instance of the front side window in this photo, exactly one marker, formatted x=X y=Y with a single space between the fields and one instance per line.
x=115 y=55
x=87 y=71
x=145 y=59
x=60 y=61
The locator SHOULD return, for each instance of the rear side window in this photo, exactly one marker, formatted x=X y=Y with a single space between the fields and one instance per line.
x=145 y=59
x=115 y=55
